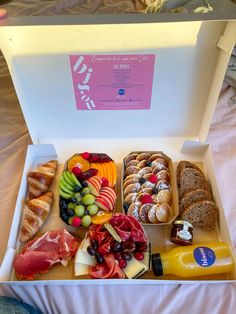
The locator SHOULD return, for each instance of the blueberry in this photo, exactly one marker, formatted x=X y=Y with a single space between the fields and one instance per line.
x=64 y=217
x=127 y=256
x=154 y=190
x=91 y=251
x=84 y=184
x=148 y=163
x=62 y=203
x=142 y=180
x=86 y=212
x=99 y=258
x=94 y=244
x=70 y=212
x=126 y=206
x=62 y=210
x=77 y=188
x=117 y=247
x=73 y=200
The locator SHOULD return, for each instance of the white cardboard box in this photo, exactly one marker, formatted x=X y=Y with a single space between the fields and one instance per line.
x=191 y=60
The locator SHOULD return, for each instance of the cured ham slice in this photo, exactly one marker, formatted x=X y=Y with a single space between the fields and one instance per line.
x=39 y=255
x=36 y=212
x=40 y=180
x=128 y=227
x=108 y=269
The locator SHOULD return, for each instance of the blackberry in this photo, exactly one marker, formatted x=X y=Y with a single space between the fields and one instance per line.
x=155 y=190
x=70 y=212
x=73 y=200
x=126 y=206
x=148 y=163
x=84 y=184
x=77 y=189
x=142 y=180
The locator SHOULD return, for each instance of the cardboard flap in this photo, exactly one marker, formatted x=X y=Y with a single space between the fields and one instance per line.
x=186 y=56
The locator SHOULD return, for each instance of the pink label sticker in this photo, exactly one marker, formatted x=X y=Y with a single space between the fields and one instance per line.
x=112 y=82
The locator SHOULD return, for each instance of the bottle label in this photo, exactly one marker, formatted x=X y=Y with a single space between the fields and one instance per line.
x=184 y=234
x=204 y=256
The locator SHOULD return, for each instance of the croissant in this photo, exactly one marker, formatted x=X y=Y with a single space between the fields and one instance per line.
x=40 y=180
x=35 y=213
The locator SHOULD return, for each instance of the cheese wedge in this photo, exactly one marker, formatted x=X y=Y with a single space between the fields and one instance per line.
x=81 y=269
x=134 y=268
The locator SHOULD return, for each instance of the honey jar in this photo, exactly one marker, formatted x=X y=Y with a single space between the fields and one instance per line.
x=181 y=232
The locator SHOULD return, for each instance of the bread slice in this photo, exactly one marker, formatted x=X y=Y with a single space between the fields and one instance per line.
x=193 y=197
x=186 y=164
x=203 y=214
x=191 y=180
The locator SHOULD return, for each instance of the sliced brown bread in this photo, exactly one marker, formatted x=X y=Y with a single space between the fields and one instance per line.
x=191 y=180
x=193 y=197
x=202 y=214
x=185 y=164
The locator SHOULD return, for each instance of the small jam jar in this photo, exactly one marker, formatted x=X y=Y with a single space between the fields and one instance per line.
x=182 y=232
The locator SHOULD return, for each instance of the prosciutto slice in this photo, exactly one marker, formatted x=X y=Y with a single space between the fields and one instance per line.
x=39 y=255
x=102 y=236
x=108 y=269
x=128 y=228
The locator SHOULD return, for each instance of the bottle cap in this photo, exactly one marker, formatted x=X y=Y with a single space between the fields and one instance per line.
x=157 y=264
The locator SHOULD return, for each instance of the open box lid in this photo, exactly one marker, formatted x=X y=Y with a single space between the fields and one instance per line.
x=191 y=58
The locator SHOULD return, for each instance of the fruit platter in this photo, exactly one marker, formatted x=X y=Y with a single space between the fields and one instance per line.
x=87 y=189
x=89 y=218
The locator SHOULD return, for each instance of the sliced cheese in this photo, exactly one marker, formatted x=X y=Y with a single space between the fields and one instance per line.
x=86 y=243
x=81 y=269
x=84 y=258
x=82 y=255
x=134 y=268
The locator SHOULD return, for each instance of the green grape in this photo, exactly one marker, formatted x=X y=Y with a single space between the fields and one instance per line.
x=88 y=199
x=92 y=209
x=79 y=210
x=86 y=221
x=78 y=197
x=85 y=191
x=71 y=205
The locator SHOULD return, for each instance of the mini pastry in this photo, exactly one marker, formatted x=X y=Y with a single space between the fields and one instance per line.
x=162 y=196
x=145 y=170
x=143 y=156
x=131 y=170
x=158 y=168
x=143 y=212
x=131 y=188
x=163 y=185
x=130 y=157
x=163 y=175
x=132 y=176
x=130 y=198
x=133 y=210
x=131 y=181
x=145 y=191
x=132 y=163
x=40 y=180
x=152 y=215
x=155 y=156
x=142 y=164
x=163 y=212
x=160 y=162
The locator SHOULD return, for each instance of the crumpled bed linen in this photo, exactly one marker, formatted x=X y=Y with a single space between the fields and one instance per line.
x=58 y=7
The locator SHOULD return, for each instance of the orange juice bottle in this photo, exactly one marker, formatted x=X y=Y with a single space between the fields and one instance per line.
x=194 y=260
